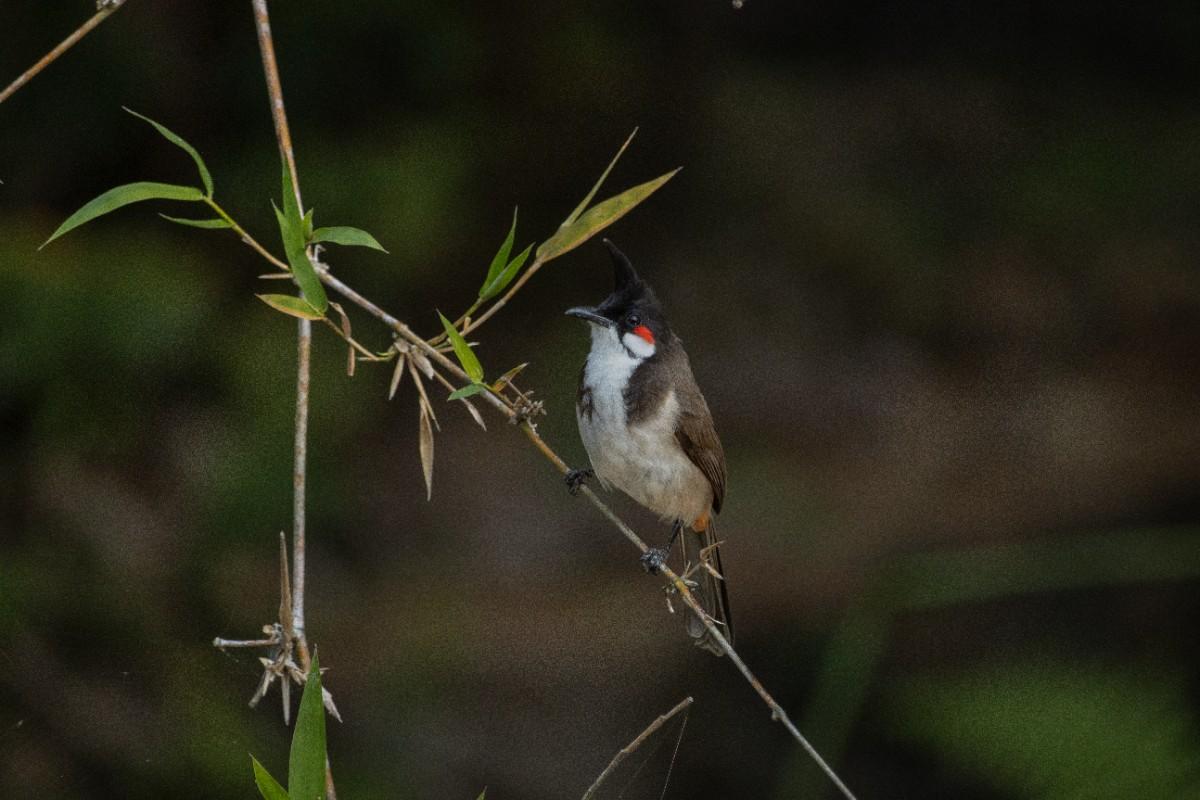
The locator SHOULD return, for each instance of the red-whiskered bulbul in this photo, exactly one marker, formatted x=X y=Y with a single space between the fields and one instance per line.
x=648 y=430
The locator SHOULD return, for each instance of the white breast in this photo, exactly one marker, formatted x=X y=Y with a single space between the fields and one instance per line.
x=644 y=460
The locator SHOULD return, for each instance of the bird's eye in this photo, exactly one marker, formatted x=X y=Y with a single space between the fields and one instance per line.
x=633 y=320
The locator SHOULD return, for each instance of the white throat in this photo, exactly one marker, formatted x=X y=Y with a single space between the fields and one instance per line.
x=610 y=364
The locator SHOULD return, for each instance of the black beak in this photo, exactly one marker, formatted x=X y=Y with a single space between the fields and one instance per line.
x=589 y=315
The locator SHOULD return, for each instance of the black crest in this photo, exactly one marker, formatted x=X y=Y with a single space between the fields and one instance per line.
x=625 y=277
x=629 y=290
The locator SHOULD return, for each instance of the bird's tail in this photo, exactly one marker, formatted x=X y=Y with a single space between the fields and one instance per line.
x=711 y=593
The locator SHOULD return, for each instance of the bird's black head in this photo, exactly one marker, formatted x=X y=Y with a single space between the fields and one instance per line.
x=632 y=313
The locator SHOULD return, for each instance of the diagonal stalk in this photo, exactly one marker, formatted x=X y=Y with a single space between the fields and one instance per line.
x=685 y=593
x=106 y=10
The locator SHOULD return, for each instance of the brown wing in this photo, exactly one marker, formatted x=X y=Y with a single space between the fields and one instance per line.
x=648 y=388
x=698 y=438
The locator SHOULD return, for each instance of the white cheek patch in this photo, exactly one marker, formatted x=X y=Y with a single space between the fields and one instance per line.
x=637 y=345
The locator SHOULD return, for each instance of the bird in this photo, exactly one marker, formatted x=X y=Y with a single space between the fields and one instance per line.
x=648 y=431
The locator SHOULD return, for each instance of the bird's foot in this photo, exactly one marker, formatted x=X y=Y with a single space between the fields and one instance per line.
x=576 y=478
x=654 y=559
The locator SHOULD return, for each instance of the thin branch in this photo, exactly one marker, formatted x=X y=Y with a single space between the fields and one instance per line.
x=363 y=352
x=503 y=301
x=467 y=324
x=530 y=431
x=247 y=238
x=106 y=9
x=299 y=481
x=266 y=46
x=221 y=644
x=632 y=747
x=410 y=336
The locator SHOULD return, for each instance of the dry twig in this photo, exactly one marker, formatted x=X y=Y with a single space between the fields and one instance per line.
x=286 y=638
x=104 y=10
x=266 y=45
x=278 y=664
x=632 y=747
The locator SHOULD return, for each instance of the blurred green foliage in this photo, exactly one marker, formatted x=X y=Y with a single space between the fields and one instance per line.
x=1044 y=729
x=971 y=715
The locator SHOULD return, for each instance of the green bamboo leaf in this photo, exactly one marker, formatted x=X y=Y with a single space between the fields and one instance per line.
x=345 y=235
x=290 y=304
x=501 y=258
x=466 y=391
x=175 y=139
x=483 y=794
x=584 y=204
x=302 y=269
x=307 y=227
x=306 y=765
x=291 y=228
x=198 y=223
x=599 y=217
x=123 y=196
x=497 y=284
x=268 y=787
x=290 y=207
x=466 y=356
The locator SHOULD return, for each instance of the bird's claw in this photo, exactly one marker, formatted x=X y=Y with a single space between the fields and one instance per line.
x=576 y=478
x=654 y=559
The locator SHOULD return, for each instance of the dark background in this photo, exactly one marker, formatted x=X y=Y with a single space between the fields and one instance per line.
x=936 y=268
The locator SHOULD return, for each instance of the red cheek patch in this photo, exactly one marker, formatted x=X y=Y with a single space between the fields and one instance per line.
x=645 y=333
